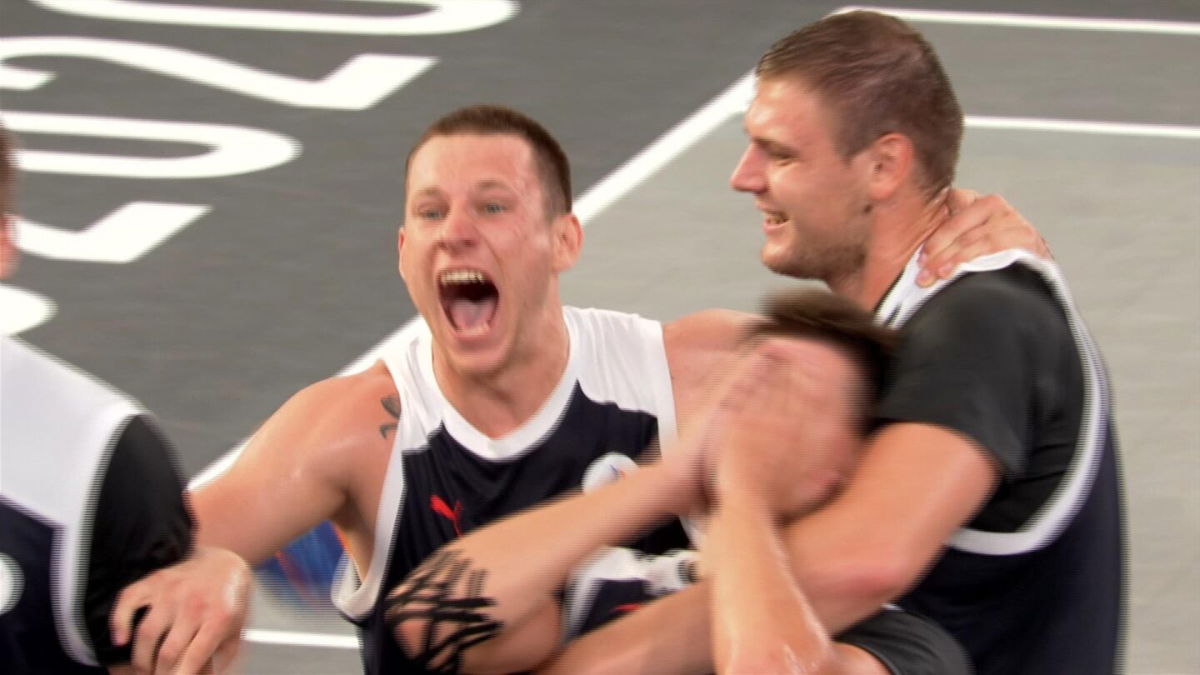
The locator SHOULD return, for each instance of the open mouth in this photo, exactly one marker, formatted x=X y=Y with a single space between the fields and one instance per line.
x=469 y=300
x=774 y=217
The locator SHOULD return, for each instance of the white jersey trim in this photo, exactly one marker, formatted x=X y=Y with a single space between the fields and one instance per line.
x=1053 y=516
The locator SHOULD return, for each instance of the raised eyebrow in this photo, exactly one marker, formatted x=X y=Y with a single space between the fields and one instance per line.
x=427 y=192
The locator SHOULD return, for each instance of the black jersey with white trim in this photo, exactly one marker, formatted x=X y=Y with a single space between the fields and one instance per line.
x=90 y=500
x=445 y=478
x=1035 y=583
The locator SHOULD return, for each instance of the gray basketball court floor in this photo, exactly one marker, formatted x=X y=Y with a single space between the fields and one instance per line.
x=216 y=262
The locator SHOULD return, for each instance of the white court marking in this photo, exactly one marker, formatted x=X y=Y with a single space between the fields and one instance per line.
x=295 y=639
x=733 y=101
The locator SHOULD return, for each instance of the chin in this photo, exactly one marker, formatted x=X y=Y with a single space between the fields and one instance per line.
x=476 y=363
x=777 y=258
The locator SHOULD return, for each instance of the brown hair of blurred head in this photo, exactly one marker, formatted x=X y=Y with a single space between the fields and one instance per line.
x=823 y=316
x=7 y=170
x=878 y=76
x=552 y=165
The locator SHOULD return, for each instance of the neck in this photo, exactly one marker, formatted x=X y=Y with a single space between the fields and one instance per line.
x=499 y=401
x=899 y=228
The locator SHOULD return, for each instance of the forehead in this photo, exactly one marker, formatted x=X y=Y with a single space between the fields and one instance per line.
x=816 y=357
x=466 y=161
x=784 y=107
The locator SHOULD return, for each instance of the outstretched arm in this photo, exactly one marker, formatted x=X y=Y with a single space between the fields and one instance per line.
x=289 y=478
x=292 y=473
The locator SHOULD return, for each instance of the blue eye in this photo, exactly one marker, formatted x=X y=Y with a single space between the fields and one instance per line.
x=493 y=208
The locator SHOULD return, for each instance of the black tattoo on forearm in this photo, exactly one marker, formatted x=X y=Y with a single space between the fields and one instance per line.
x=391 y=404
x=453 y=617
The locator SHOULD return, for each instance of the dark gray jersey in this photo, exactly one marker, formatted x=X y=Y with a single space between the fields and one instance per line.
x=1034 y=583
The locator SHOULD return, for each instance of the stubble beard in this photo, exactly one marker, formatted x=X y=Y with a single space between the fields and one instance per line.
x=830 y=264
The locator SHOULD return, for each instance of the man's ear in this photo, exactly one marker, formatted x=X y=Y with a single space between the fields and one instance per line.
x=889 y=163
x=400 y=251
x=568 y=241
x=8 y=245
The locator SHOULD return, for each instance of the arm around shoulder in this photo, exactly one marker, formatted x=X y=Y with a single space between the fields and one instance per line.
x=914 y=486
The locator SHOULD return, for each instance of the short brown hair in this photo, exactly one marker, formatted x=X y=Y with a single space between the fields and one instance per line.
x=879 y=76
x=7 y=170
x=826 y=317
x=552 y=165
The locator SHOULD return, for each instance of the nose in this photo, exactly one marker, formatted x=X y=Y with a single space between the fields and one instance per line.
x=458 y=231
x=748 y=174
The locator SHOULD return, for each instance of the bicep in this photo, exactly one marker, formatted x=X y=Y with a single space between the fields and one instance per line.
x=700 y=349
x=283 y=483
x=914 y=486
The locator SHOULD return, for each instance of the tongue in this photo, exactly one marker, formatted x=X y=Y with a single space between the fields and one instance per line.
x=468 y=314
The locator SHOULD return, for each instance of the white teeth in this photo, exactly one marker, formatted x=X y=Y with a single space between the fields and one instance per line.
x=461 y=277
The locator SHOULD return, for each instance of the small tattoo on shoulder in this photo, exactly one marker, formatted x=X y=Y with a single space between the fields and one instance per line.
x=391 y=404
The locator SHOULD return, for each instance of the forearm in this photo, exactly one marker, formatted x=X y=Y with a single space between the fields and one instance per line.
x=530 y=556
x=761 y=621
x=509 y=572
x=669 y=635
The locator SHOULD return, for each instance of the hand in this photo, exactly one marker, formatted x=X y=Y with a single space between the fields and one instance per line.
x=197 y=608
x=977 y=225
x=790 y=424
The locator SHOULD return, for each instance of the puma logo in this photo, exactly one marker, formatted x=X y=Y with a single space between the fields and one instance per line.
x=454 y=515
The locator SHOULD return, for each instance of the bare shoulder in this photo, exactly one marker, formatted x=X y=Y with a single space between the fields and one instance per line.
x=708 y=329
x=342 y=405
x=700 y=348
x=695 y=340
x=304 y=465
x=324 y=427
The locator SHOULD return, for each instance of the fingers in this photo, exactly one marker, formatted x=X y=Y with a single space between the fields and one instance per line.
x=226 y=655
x=202 y=651
x=958 y=199
x=120 y=621
x=146 y=641
x=968 y=212
x=182 y=631
x=977 y=225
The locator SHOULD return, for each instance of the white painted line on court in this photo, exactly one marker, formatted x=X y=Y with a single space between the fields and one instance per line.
x=1082 y=127
x=294 y=639
x=1036 y=21
x=668 y=146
